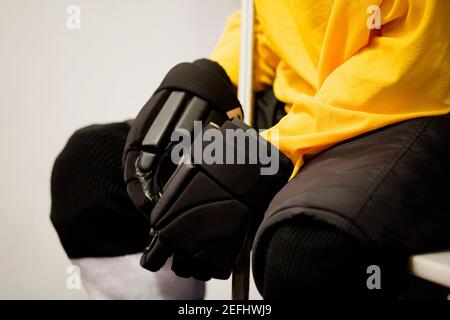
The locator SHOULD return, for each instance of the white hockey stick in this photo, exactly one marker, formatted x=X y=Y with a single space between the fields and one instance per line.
x=241 y=273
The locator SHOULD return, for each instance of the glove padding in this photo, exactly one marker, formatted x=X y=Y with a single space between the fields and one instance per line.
x=207 y=211
x=190 y=91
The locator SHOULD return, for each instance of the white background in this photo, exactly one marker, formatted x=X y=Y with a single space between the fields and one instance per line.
x=53 y=81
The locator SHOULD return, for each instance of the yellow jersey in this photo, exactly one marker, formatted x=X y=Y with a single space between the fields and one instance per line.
x=345 y=67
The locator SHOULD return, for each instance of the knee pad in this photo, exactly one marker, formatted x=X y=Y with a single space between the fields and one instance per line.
x=304 y=258
x=90 y=205
x=199 y=91
x=308 y=259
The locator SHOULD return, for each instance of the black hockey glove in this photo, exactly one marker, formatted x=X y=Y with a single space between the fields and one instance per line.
x=190 y=91
x=208 y=209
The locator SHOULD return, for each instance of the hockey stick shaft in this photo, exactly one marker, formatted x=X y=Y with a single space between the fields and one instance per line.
x=241 y=273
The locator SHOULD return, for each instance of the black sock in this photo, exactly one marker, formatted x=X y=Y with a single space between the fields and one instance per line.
x=307 y=259
x=91 y=210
